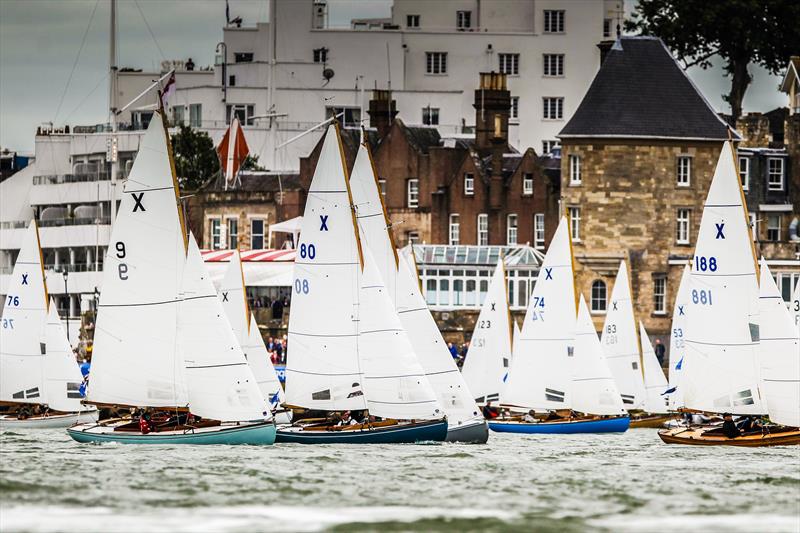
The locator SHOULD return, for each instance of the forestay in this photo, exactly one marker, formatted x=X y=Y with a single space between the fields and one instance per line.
x=323 y=370
x=677 y=341
x=490 y=348
x=403 y=289
x=722 y=336
x=779 y=354
x=234 y=301
x=62 y=375
x=395 y=385
x=594 y=390
x=655 y=383
x=540 y=374
x=22 y=343
x=220 y=384
x=621 y=344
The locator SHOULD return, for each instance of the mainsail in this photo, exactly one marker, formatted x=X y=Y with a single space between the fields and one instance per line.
x=779 y=354
x=621 y=344
x=133 y=361
x=594 y=390
x=540 y=374
x=677 y=341
x=655 y=383
x=722 y=336
x=490 y=348
x=62 y=375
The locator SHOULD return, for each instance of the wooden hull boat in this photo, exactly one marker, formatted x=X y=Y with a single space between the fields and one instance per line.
x=57 y=420
x=477 y=433
x=650 y=421
x=378 y=433
x=712 y=436
x=256 y=433
x=617 y=424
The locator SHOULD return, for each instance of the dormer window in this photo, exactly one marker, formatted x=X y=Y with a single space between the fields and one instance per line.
x=321 y=55
x=469 y=184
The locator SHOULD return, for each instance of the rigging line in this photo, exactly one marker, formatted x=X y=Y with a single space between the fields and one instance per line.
x=99 y=82
x=75 y=63
x=152 y=35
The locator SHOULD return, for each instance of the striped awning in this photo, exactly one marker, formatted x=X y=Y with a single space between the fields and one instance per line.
x=250 y=256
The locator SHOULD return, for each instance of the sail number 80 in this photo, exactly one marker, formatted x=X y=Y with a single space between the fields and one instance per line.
x=301 y=285
x=705 y=263
x=702 y=297
x=309 y=251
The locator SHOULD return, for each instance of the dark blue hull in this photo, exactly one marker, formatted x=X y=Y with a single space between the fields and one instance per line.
x=618 y=424
x=401 y=434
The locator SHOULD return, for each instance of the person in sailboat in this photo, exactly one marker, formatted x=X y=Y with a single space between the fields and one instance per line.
x=347 y=420
x=530 y=417
x=729 y=427
x=490 y=412
x=145 y=426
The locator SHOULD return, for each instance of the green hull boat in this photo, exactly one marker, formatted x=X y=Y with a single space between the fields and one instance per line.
x=262 y=433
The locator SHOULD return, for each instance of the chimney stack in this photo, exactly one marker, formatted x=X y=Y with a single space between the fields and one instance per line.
x=382 y=110
x=492 y=110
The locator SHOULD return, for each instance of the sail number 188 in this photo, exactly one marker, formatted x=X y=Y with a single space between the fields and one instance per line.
x=702 y=297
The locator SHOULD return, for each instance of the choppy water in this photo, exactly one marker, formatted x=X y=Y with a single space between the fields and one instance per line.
x=629 y=482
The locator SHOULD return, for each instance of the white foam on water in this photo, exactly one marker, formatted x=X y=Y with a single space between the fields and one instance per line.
x=745 y=523
x=218 y=519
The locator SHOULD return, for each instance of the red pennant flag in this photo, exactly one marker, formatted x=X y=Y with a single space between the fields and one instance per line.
x=232 y=151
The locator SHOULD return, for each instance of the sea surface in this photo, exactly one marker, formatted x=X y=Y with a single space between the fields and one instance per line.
x=609 y=483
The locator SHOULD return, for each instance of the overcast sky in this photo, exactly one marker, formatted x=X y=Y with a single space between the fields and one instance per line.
x=40 y=41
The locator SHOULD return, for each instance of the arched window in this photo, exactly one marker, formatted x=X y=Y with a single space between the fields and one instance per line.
x=598 y=296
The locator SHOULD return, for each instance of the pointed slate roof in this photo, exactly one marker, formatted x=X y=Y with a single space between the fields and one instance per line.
x=641 y=92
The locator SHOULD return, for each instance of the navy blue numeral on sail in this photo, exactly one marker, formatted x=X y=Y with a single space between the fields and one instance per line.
x=8 y=323
x=705 y=263
x=308 y=251
x=703 y=297
x=13 y=301
x=301 y=285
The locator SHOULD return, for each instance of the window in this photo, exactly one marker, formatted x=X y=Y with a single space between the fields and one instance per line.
x=483 y=229
x=350 y=117
x=575 y=223
x=243 y=57
x=744 y=172
x=509 y=64
x=574 y=170
x=430 y=116
x=774 y=227
x=469 y=184
x=553 y=21
x=599 y=298
x=753 y=225
x=233 y=233
x=412 y=21
x=548 y=146
x=216 y=233
x=514 y=113
x=553 y=108
x=256 y=234
x=178 y=115
x=538 y=231
x=412 y=237
x=660 y=294
x=320 y=55
x=195 y=115
x=412 y=193
x=455 y=229
x=463 y=20
x=682 y=226
x=775 y=174
x=606 y=27
x=684 y=171
x=527 y=184
x=232 y=80
x=244 y=112
x=436 y=62
x=382 y=185
x=430 y=292
x=511 y=229
x=553 y=65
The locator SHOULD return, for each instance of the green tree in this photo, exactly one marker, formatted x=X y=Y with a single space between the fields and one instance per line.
x=764 y=32
x=251 y=163
x=196 y=159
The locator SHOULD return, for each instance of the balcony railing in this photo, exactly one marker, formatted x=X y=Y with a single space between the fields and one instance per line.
x=70 y=178
x=74 y=267
x=87 y=221
x=14 y=224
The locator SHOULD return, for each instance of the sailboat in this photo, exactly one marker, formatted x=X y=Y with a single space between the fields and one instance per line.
x=162 y=341
x=349 y=350
x=722 y=373
x=542 y=377
x=489 y=353
x=677 y=341
x=39 y=376
x=655 y=382
x=233 y=298
x=465 y=421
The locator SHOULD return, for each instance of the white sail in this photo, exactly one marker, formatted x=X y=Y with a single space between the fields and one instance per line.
x=323 y=369
x=796 y=305
x=22 y=343
x=779 y=354
x=621 y=344
x=540 y=374
x=655 y=382
x=489 y=352
x=219 y=381
x=722 y=373
x=403 y=289
x=677 y=341
x=395 y=385
x=133 y=361
x=62 y=375
x=594 y=390
x=516 y=335
x=234 y=301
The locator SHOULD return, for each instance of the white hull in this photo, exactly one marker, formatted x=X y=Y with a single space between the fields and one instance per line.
x=49 y=422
